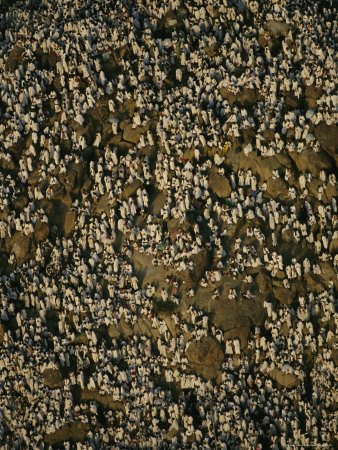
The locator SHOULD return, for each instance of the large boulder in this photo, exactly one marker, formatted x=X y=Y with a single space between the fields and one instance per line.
x=52 y=378
x=131 y=134
x=41 y=231
x=327 y=136
x=131 y=188
x=68 y=180
x=264 y=282
x=241 y=329
x=219 y=184
x=262 y=167
x=245 y=97
x=205 y=356
x=75 y=431
x=20 y=245
x=174 y=225
x=69 y=222
x=278 y=28
x=284 y=296
x=114 y=331
x=333 y=246
x=312 y=93
x=200 y=261
x=277 y=189
x=292 y=100
x=308 y=160
x=287 y=380
x=14 y=59
x=206 y=351
x=106 y=400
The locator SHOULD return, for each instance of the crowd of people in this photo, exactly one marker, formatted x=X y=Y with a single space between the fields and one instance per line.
x=75 y=303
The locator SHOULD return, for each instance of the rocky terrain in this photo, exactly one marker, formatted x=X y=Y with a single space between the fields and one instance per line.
x=132 y=256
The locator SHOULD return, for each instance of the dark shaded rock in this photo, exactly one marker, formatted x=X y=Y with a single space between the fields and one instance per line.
x=240 y=330
x=264 y=282
x=131 y=134
x=327 y=136
x=287 y=236
x=308 y=160
x=52 y=378
x=333 y=248
x=248 y=135
x=284 y=296
x=245 y=97
x=128 y=106
x=292 y=101
x=20 y=245
x=131 y=188
x=277 y=189
x=200 y=261
x=88 y=131
x=68 y=180
x=41 y=231
x=74 y=431
x=312 y=93
x=69 y=222
x=14 y=59
x=98 y=114
x=20 y=202
x=106 y=399
x=2 y=333
x=58 y=191
x=269 y=135
x=219 y=184
x=206 y=351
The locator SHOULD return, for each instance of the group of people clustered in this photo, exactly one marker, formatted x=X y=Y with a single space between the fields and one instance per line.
x=89 y=281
